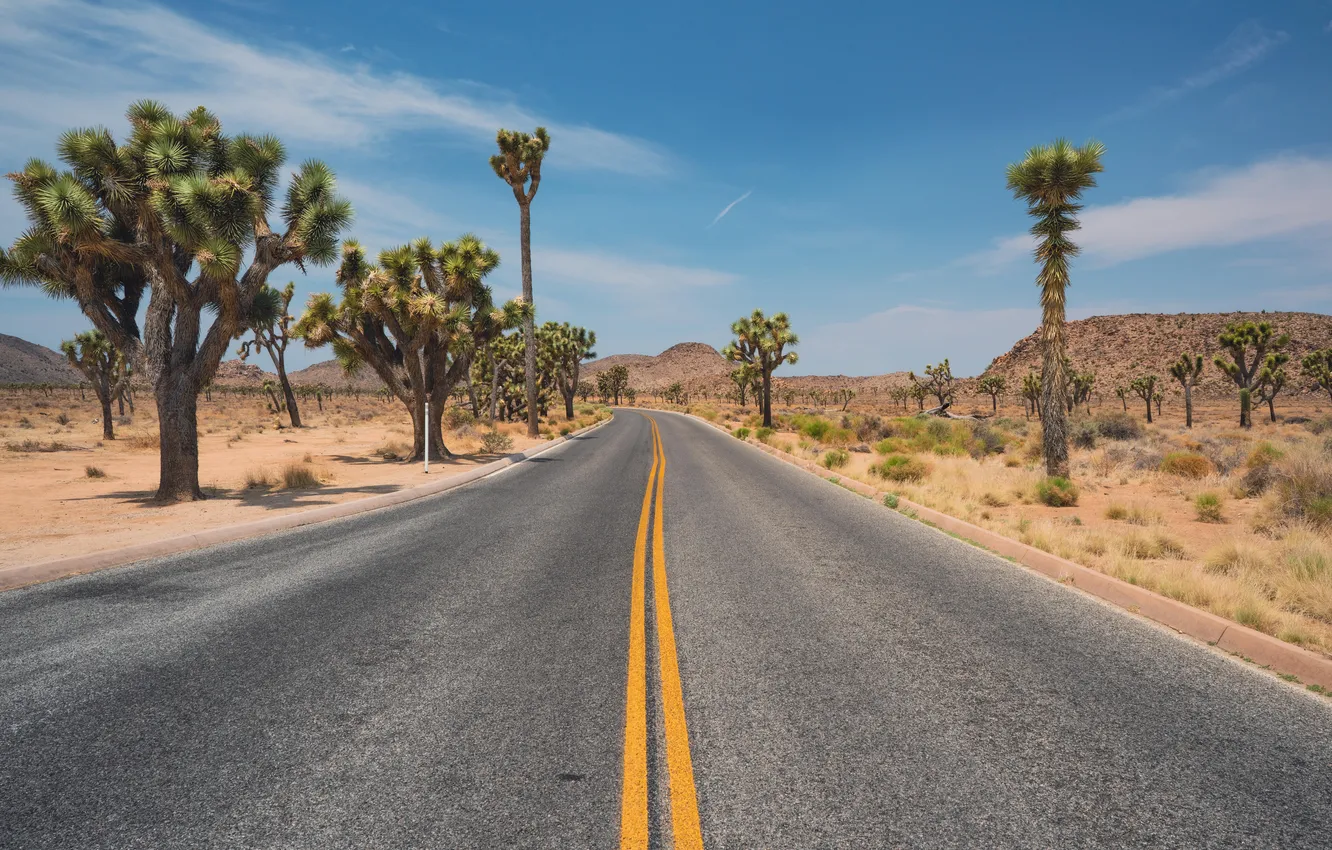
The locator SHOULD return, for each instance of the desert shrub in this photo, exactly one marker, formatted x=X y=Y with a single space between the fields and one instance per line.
x=901 y=468
x=393 y=450
x=258 y=479
x=1302 y=486
x=814 y=427
x=1117 y=425
x=566 y=430
x=37 y=446
x=704 y=411
x=985 y=440
x=890 y=501
x=740 y=433
x=94 y=472
x=1116 y=511
x=1263 y=454
x=938 y=428
x=889 y=446
x=1083 y=436
x=151 y=440
x=835 y=458
x=456 y=417
x=763 y=434
x=62 y=418
x=868 y=428
x=1208 y=507
x=298 y=476
x=1057 y=492
x=1146 y=547
x=1186 y=465
x=124 y=420
x=1319 y=425
x=1232 y=557
x=496 y=442
x=24 y=422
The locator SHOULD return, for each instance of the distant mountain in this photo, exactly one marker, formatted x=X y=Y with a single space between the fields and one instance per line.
x=1121 y=348
x=23 y=362
x=693 y=364
x=329 y=373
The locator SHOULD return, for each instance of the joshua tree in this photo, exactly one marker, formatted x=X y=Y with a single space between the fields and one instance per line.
x=177 y=196
x=1239 y=340
x=938 y=382
x=270 y=389
x=1031 y=391
x=1272 y=380
x=416 y=318
x=918 y=392
x=1122 y=393
x=613 y=382
x=1051 y=179
x=1317 y=365
x=1187 y=369
x=570 y=346
x=674 y=394
x=746 y=379
x=845 y=395
x=94 y=355
x=271 y=323
x=900 y=394
x=993 y=386
x=518 y=164
x=1079 y=388
x=585 y=390
x=761 y=342
x=1145 y=387
x=1158 y=397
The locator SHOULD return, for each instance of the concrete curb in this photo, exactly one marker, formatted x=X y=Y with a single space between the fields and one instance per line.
x=1261 y=649
x=20 y=576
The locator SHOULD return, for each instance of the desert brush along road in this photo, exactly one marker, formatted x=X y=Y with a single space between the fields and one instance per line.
x=652 y=635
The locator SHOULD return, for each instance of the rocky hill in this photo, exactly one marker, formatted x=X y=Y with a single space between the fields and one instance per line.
x=693 y=364
x=23 y=362
x=329 y=373
x=1121 y=348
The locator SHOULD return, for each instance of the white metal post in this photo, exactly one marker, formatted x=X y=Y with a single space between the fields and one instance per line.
x=427 y=438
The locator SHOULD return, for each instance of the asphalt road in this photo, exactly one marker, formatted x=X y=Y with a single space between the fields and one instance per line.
x=452 y=674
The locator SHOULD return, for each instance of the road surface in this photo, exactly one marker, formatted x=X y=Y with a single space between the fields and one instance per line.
x=468 y=671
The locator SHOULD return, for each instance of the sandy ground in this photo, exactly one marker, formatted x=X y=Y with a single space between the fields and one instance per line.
x=51 y=508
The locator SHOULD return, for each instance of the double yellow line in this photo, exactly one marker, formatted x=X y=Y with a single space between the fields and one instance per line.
x=683 y=796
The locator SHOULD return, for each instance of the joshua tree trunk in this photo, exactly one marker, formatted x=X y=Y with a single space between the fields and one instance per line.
x=994 y=404
x=1246 y=403
x=435 y=428
x=280 y=361
x=1149 y=410
x=1188 y=406
x=103 y=391
x=1271 y=408
x=471 y=397
x=767 y=399
x=529 y=323
x=1054 y=419
x=178 y=430
x=495 y=366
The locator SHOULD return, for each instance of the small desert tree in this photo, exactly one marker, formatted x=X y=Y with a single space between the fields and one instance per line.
x=1145 y=387
x=613 y=382
x=938 y=382
x=1122 y=393
x=104 y=367
x=1271 y=381
x=1051 y=180
x=1080 y=386
x=1248 y=344
x=1187 y=369
x=569 y=347
x=178 y=198
x=747 y=381
x=1317 y=365
x=1031 y=391
x=270 y=321
x=993 y=386
x=518 y=164
x=762 y=342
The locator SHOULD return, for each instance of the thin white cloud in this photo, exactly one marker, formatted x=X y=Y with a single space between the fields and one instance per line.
x=608 y=271
x=1246 y=46
x=81 y=62
x=729 y=207
x=1278 y=198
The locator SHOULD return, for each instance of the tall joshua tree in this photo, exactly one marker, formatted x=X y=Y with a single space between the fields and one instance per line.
x=270 y=321
x=1248 y=344
x=570 y=346
x=761 y=341
x=1187 y=369
x=518 y=163
x=1051 y=179
x=175 y=210
x=105 y=368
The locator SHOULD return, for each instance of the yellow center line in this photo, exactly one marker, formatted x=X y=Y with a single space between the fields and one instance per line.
x=634 y=793
x=684 y=797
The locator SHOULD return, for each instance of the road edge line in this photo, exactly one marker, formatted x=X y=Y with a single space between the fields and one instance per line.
x=1261 y=649
x=13 y=578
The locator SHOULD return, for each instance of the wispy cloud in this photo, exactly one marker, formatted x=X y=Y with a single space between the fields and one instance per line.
x=608 y=271
x=1245 y=47
x=1278 y=198
x=80 y=61
x=729 y=207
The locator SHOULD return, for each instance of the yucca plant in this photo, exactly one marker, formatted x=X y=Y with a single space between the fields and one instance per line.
x=1051 y=180
x=518 y=164
x=762 y=342
x=270 y=322
x=1187 y=369
x=104 y=367
x=1248 y=344
x=416 y=317
x=175 y=210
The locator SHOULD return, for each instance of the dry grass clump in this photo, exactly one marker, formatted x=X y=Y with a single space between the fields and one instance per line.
x=393 y=450
x=1233 y=557
x=1187 y=465
x=29 y=446
x=259 y=479
x=144 y=441
x=496 y=442
x=94 y=472
x=1057 y=492
x=901 y=468
x=1301 y=487
x=299 y=476
x=1207 y=506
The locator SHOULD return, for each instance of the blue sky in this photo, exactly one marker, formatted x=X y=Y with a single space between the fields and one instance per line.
x=857 y=150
